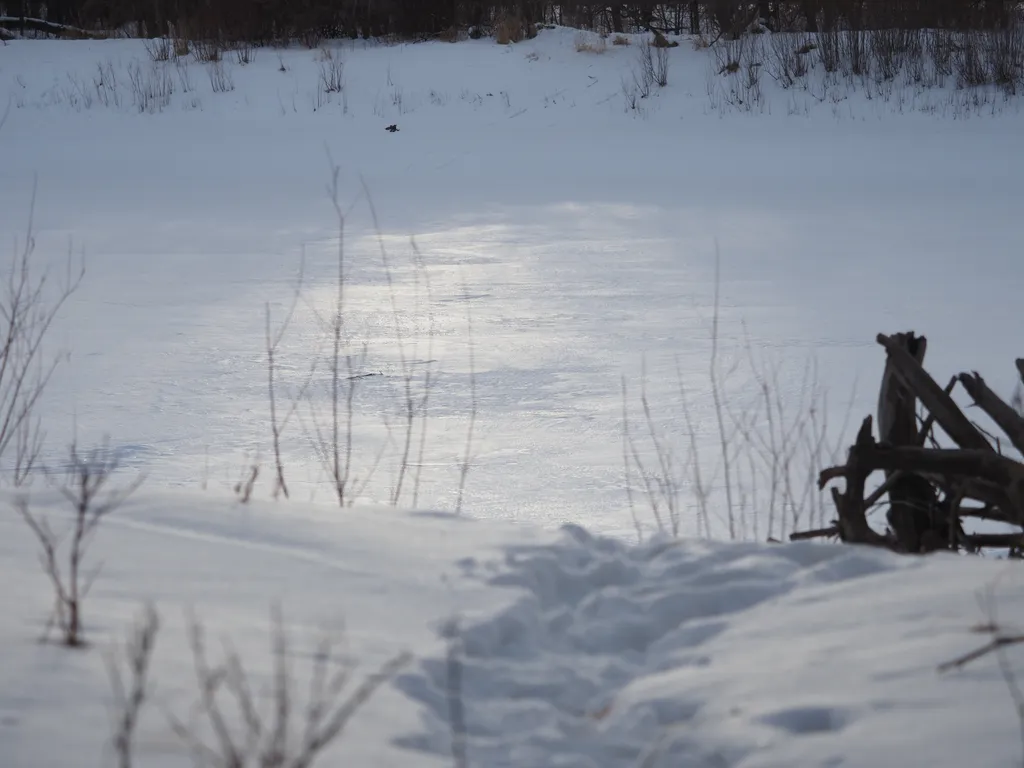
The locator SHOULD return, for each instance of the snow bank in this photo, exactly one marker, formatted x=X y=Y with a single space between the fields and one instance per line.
x=575 y=649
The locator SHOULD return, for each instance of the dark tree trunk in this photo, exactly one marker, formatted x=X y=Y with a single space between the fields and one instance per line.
x=616 y=14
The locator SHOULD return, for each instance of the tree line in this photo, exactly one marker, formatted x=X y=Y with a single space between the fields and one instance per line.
x=264 y=21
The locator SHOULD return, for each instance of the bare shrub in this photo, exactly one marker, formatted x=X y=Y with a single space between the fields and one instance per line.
x=131 y=693
x=768 y=450
x=278 y=422
x=185 y=79
x=207 y=51
x=29 y=303
x=631 y=95
x=830 y=48
x=311 y=37
x=730 y=55
x=1004 y=56
x=589 y=43
x=151 y=87
x=663 y=478
x=332 y=71
x=333 y=441
x=221 y=80
x=658 y=40
x=783 y=59
x=245 y=53
x=661 y=66
x=891 y=49
x=105 y=83
x=644 y=71
x=414 y=401
x=450 y=35
x=855 y=51
x=969 y=62
x=85 y=488
x=77 y=94
x=160 y=49
x=942 y=49
x=508 y=29
x=282 y=734
x=620 y=40
x=331 y=415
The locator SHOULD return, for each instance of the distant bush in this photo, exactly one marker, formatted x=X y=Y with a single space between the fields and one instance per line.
x=510 y=28
x=312 y=21
x=585 y=43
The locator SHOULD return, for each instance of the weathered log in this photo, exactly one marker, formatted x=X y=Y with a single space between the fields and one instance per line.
x=929 y=420
x=912 y=499
x=930 y=490
x=993 y=540
x=977 y=464
x=981 y=474
x=931 y=395
x=816 y=533
x=63 y=31
x=896 y=403
x=1002 y=414
x=852 y=523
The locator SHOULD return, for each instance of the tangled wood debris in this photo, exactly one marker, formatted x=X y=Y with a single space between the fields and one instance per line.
x=930 y=490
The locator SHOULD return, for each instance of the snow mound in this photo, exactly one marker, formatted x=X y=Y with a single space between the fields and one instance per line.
x=582 y=670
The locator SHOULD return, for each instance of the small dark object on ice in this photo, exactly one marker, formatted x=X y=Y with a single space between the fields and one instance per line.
x=392 y=128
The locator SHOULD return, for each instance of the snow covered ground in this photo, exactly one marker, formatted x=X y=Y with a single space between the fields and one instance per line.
x=576 y=650
x=583 y=234
x=575 y=238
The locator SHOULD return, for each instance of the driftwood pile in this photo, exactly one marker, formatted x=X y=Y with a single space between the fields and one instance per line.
x=930 y=490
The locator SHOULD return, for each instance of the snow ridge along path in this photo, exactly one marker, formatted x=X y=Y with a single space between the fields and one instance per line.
x=691 y=654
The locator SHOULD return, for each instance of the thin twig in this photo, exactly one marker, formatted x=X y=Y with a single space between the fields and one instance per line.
x=467 y=454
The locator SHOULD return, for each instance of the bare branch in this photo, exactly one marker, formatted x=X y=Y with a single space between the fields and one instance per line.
x=263 y=736
x=85 y=488
x=130 y=696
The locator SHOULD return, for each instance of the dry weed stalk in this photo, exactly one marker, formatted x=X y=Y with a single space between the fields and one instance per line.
x=467 y=454
x=454 y=669
x=28 y=309
x=768 y=449
x=273 y=338
x=278 y=732
x=86 y=489
x=132 y=693
x=1001 y=640
x=333 y=443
